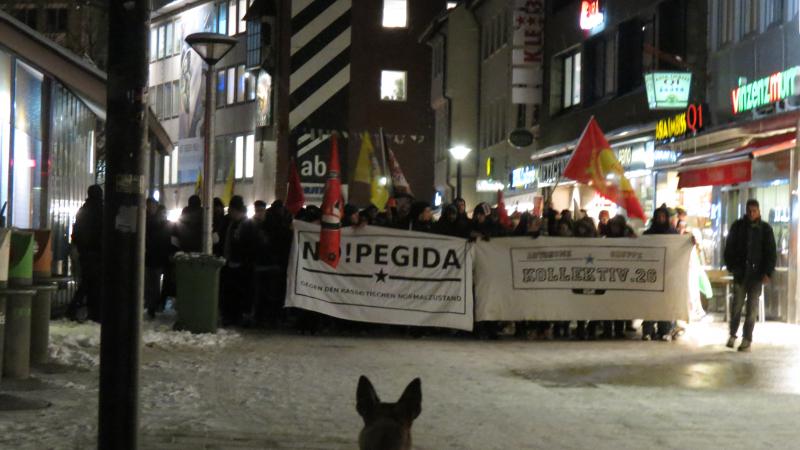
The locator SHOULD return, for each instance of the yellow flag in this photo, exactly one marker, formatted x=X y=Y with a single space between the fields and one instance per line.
x=198 y=187
x=227 y=194
x=363 y=170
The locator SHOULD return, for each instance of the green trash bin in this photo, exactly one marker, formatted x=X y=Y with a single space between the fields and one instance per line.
x=197 y=299
x=16 y=351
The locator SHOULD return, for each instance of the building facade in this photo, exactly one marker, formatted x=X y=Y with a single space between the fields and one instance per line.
x=354 y=68
x=81 y=26
x=177 y=93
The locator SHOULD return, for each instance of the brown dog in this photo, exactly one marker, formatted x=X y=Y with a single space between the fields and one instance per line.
x=387 y=426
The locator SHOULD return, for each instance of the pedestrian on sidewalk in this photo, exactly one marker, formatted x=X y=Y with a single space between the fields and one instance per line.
x=750 y=256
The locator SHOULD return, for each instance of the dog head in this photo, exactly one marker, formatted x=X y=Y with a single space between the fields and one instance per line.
x=387 y=426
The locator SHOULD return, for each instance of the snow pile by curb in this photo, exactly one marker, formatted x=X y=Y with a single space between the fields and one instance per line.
x=164 y=337
x=75 y=344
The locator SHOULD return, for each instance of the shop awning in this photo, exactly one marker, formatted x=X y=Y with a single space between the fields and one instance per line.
x=715 y=175
x=772 y=144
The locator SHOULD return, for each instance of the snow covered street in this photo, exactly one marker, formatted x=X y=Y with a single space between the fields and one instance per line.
x=250 y=389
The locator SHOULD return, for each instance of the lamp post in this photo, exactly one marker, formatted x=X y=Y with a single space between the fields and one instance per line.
x=459 y=152
x=211 y=47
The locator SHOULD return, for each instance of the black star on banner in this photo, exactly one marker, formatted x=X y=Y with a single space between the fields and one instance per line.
x=590 y=259
x=381 y=276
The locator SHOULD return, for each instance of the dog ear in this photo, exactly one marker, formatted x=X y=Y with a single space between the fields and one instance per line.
x=411 y=400
x=366 y=397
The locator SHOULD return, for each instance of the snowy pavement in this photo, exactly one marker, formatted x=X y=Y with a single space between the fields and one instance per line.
x=250 y=389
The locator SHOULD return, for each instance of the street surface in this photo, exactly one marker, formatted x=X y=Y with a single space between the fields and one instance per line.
x=250 y=389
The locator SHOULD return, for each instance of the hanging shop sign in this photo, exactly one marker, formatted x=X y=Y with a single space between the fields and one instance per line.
x=520 y=138
x=668 y=90
x=679 y=125
x=591 y=16
x=527 y=54
x=523 y=176
x=765 y=91
x=264 y=99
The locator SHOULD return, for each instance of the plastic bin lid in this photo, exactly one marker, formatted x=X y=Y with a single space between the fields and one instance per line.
x=199 y=258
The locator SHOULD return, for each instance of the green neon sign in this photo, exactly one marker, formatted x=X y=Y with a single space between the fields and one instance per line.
x=771 y=89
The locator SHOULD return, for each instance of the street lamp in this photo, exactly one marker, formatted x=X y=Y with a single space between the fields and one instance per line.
x=211 y=47
x=459 y=152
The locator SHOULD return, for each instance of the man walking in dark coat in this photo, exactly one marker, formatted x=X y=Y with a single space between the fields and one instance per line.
x=750 y=255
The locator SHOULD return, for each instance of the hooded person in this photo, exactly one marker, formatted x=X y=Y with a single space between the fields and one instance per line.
x=661 y=223
x=87 y=237
x=617 y=228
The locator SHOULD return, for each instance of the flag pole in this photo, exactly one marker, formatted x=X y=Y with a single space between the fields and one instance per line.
x=389 y=179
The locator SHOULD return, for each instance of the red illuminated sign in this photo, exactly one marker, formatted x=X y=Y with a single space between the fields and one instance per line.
x=591 y=16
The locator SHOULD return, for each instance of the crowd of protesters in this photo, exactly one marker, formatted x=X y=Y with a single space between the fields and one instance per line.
x=256 y=253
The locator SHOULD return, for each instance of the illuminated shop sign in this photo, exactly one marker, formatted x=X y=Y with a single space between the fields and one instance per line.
x=591 y=17
x=668 y=90
x=543 y=174
x=689 y=121
x=777 y=86
x=489 y=185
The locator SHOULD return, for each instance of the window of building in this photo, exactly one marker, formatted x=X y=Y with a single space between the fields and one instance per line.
x=242 y=11
x=232 y=22
x=649 y=58
x=169 y=39
x=167 y=170
x=160 y=48
x=27 y=15
x=791 y=9
x=231 y=82
x=153 y=44
x=572 y=80
x=240 y=83
x=773 y=11
x=177 y=43
x=159 y=101
x=395 y=13
x=393 y=85
x=250 y=86
x=167 y=99
x=175 y=162
x=611 y=64
x=239 y=158
x=56 y=20
x=234 y=155
x=222 y=18
x=221 y=88
x=727 y=22
x=749 y=15
x=249 y=155
x=176 y=97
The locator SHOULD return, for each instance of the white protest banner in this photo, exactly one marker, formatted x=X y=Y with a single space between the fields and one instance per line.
x=583 y=278
x=384 y=276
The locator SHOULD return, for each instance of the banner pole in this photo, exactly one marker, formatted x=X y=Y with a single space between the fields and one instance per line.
x=389 y=179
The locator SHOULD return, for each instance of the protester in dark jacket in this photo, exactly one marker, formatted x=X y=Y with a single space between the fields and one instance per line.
x=156 y=257
x=529 y=225
x=617 y=228
x=602 y=222
x=88 y=239
x=190 y=226
x=660 y=224
x=750 y=255
x=235 y=275
x=421 y=217
x=218 y=225
x=584 y=228
x=351 y=218
x=448 y=223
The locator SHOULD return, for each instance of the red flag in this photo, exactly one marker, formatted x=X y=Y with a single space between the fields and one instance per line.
x=331 y=223
x=505 y=221
x=594 y=163
x=294 y=197
x=399 y=181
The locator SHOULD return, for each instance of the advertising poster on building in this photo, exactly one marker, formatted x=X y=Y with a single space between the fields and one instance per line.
x=384 y=276
x=583 y=278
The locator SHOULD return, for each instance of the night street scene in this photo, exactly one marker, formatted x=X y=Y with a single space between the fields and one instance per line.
x=399 y=224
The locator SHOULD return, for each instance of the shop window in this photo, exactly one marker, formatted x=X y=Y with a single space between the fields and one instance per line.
x=395 y=13
x=393 y=85
x=571 y=93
